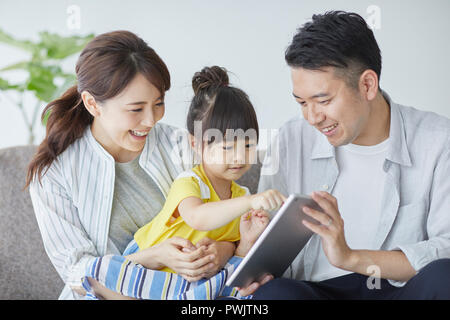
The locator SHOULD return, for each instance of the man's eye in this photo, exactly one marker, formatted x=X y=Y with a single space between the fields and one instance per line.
x=136 y=110
x=302 y=103
x=324 y=102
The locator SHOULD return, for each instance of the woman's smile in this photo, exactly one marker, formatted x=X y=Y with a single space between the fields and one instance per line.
x=139 y=135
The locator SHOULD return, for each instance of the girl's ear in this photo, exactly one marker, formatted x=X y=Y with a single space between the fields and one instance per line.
x=193 y=142
x=197 y=149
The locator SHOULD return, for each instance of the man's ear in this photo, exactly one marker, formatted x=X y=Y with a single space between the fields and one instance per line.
x=368 y=84
x=90 y=104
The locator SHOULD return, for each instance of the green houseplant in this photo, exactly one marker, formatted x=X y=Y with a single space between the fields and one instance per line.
x=45 y=77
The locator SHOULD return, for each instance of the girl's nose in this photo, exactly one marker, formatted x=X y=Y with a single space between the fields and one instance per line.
x=239 y=153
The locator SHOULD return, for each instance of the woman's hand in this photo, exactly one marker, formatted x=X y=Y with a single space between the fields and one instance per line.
x=178 y=254
x=222 y=251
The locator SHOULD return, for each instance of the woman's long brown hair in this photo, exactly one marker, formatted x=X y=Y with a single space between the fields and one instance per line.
x=105 y=67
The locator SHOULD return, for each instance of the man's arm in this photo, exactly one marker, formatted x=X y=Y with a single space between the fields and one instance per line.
x=392 y=265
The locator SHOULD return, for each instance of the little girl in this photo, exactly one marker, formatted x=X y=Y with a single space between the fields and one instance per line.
x=202 y=202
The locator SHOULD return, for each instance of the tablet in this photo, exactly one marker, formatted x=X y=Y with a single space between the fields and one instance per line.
x=278 y=245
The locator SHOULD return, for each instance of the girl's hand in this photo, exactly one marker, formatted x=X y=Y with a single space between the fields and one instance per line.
x=252 y=225
x=268 y=200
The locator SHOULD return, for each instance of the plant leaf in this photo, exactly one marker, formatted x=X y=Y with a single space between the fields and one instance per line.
x=41 y=82
x=5 y=85
x=58 y=47
x=22 y=44
x=15 y=66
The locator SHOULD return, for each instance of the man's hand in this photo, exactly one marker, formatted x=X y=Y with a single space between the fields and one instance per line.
x=250 y=289
x=330 y=230
x=392 y=264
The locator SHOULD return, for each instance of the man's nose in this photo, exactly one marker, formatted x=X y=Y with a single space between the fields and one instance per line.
x=315 y=116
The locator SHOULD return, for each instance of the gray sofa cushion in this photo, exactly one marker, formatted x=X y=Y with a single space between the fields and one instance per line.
x=25 y=270
x=251 y=178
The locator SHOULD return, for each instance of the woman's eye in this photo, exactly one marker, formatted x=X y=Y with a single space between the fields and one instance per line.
x=161 y=104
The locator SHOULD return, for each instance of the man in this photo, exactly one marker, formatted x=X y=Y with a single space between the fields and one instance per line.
x=380 y=172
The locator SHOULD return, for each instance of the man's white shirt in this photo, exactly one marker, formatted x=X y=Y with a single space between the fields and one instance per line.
x=358 y=190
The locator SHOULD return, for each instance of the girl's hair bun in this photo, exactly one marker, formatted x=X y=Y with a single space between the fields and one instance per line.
x=208 y=77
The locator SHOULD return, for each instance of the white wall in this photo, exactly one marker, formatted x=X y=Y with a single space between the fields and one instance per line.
x=248 y=37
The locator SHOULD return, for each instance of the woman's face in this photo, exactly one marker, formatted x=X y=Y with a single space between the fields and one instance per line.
x=122 y=123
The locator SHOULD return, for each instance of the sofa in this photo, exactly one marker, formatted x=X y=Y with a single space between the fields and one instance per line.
x=26 y=272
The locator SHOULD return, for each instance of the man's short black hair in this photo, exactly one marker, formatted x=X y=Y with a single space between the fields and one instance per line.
x=336 y=39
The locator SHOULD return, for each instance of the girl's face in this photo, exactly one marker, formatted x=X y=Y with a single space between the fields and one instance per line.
x=229 y=160
x=121 y=124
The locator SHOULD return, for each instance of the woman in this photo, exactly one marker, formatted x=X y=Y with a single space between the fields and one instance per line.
x=106 y=165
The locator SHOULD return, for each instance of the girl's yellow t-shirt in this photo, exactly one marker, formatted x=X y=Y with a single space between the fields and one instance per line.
x=163 y=227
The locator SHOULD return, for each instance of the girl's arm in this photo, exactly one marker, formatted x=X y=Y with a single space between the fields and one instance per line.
x=212 y=215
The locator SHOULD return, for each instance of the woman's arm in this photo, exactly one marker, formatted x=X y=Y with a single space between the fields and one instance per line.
x=213 y=215
x=66 y=243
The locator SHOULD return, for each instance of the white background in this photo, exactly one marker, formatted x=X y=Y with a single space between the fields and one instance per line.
x=248 y=37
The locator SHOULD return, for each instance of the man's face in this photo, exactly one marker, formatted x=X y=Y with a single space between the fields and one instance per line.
x=330 y=105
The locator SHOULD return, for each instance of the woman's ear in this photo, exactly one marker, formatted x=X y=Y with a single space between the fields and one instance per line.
x=368 y=83
x=90 y=104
